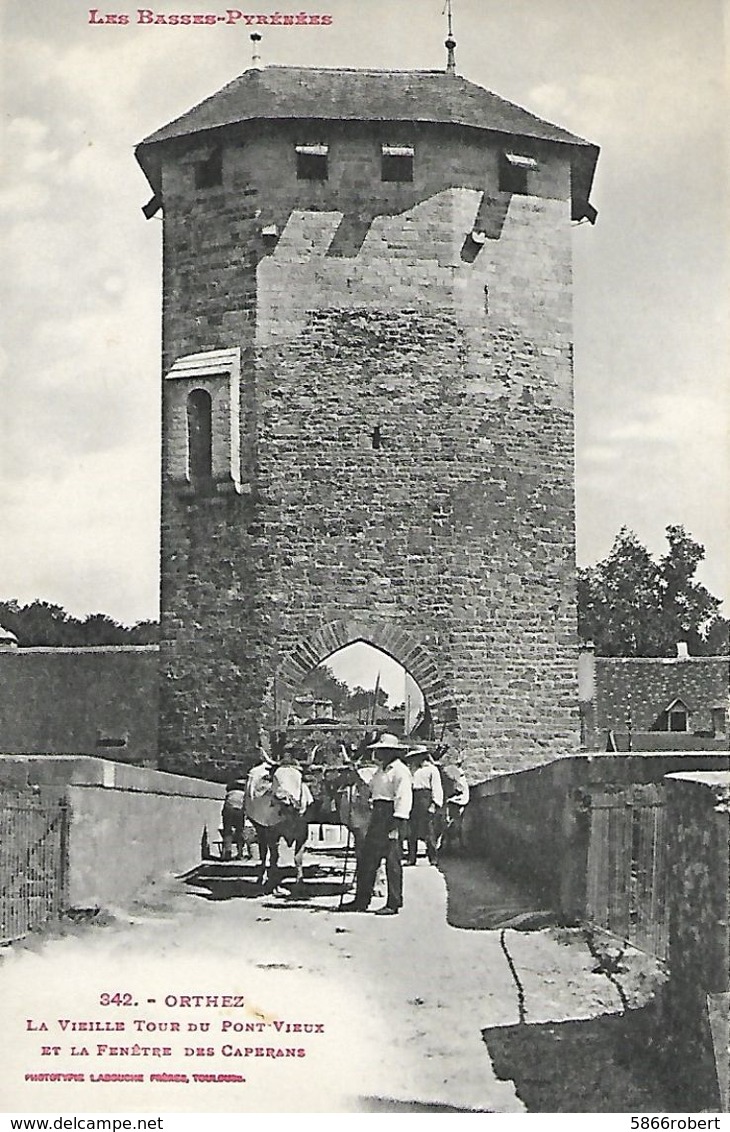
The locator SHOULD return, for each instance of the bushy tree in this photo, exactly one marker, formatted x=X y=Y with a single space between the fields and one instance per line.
x=143 y=633
x=322 y=683
x=630 y=605
x=38 y=623
x=42 y=623
x=360 y=701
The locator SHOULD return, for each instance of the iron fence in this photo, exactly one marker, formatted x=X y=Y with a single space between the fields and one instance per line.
x=33 y=850
x=626 y=866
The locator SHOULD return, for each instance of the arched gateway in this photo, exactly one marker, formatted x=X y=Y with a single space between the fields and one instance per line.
x=367 y=403
x=421 y=658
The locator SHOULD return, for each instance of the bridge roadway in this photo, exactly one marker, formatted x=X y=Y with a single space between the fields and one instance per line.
x=403 y=1013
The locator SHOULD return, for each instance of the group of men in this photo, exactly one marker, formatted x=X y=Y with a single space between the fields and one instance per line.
x=407 y=805
x=407 y=799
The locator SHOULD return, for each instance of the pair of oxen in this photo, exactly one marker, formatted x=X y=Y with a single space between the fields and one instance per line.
x=285 y=805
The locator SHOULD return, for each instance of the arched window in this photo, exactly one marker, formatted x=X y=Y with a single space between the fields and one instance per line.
x=200 y=436
x=202 y=448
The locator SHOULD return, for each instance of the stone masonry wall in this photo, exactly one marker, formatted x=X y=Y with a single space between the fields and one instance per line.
x=452 y=542
x=97 y=701
x=534 y=824
x=698 y=993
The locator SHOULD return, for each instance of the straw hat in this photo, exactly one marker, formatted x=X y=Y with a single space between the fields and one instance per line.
x=388 y=742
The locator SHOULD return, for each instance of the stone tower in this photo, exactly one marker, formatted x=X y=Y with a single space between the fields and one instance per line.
x=367 y=405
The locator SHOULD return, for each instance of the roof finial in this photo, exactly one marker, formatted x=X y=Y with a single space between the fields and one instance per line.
x=256 y=63
x=450 y=42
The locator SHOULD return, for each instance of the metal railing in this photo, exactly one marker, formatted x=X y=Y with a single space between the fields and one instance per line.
x=33 y=866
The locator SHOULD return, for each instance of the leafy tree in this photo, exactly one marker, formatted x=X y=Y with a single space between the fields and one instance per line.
x=143 y=633
x=630 y=605
x=717 y=641
x=39 y=623
x=98 y=629
x=322 y=683
x=360 y=701
x=42 y=623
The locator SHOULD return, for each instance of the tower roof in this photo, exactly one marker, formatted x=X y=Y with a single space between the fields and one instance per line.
x=341 y=94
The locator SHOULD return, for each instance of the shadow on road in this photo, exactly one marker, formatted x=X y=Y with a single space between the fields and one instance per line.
x=605 y=1064
x=238 y=880
x=480 y=898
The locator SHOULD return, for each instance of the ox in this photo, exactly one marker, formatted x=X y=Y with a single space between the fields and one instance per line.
x=347 y=794
x=281 y=809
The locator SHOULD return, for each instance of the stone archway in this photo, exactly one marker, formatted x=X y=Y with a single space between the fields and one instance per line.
x=417 y=654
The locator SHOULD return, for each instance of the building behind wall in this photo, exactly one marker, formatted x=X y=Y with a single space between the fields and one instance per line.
x=654 y=703
x=367 y=405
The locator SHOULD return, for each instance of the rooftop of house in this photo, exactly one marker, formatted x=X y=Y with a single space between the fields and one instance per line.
x=8 y=640
x=341 y=94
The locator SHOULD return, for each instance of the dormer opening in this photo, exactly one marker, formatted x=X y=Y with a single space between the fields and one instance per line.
x=675 y=717
x=678 y=717
x=209 y=171
x=312 y=162
x=514 y=170
x=396 y=162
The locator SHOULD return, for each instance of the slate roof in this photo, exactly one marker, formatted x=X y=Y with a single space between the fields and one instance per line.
x=340 y=94
x=380 y=96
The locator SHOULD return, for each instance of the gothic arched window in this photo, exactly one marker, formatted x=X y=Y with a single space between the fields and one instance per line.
x=200 y=436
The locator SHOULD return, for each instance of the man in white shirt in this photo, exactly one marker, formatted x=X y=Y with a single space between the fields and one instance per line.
x=456 y=788
x=428 y=800
x=391 y=793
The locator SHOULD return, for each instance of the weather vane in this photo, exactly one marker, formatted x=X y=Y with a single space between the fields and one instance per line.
x=450 y=42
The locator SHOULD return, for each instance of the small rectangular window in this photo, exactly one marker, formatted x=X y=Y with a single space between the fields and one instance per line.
x=312 y=162
x=677 y=720
x=513 y=172
x=396 y=162
x=209 y=172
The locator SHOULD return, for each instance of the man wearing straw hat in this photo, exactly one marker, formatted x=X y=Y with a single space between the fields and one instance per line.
x=428 y=800
x=391 y=794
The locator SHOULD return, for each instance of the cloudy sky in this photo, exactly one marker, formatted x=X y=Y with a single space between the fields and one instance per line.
x=79 y=428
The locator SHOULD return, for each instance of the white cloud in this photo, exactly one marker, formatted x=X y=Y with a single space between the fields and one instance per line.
x=682 y=419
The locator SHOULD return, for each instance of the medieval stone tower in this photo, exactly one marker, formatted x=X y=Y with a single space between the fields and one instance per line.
x=367 y=404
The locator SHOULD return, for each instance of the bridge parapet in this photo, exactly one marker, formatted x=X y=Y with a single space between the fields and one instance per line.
x=126 y=825
x=635 y=845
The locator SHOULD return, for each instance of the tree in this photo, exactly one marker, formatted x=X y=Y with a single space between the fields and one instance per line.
x=98 y=629
x=630 y=605
x=40 y=623
x=322 y=683
x=360 y=702
x=144 y=633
